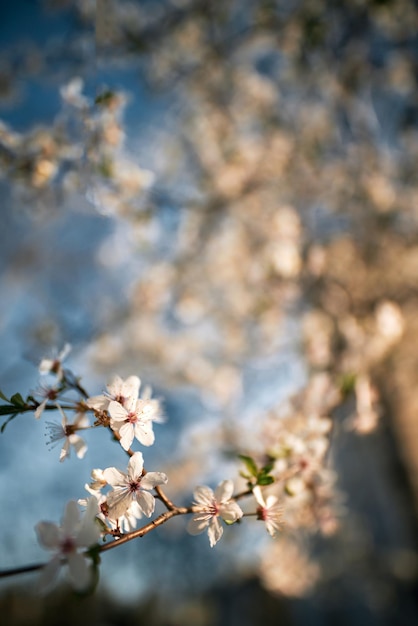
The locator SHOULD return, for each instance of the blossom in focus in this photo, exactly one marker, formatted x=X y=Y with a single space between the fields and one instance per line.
x=133 y=419
x=132 y=486
x=118 y=390
x=125 y=523
x=268 y=511
x=54 y=366
x=68 y=432
x=209 y=506
x=66 y=541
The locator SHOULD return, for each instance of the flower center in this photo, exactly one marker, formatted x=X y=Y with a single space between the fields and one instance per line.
x=134 y=486
x=262 y=513
x=68 y=545
x=132 y=418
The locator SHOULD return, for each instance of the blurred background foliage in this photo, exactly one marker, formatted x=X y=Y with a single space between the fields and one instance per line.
x=222 y=197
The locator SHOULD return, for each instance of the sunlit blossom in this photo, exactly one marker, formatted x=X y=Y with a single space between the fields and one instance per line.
x=209 y=506
x=118 y=390
x=133 y=419
x=132 y=486
x=124 y=523
x=268 y=511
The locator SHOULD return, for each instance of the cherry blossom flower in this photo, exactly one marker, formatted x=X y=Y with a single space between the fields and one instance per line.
x=268 y=511
x=130 y=487
x=66 y=540
x=118 y=390
x=48 y=394
x=209 y=506
x=133 y=419
x=68 y=432
x=54 y=366
x=124 y=523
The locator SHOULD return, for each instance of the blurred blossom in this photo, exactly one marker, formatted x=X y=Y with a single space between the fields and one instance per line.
x=286 y=569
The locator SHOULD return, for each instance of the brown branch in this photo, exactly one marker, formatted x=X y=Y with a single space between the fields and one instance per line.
x=161 y=519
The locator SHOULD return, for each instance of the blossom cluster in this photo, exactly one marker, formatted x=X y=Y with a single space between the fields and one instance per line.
x=117 y=498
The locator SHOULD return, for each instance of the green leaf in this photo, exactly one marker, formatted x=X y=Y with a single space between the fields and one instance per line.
x=265 y=480
x=3 y=397
x=17 y=400
x=267 y=468
x=249 y=464
x=104 y=98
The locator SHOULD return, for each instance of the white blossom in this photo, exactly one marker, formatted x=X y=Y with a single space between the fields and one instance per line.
x=209 y=506
x=268 y=511
x=68 y=432
x=66 y=541
x=54 y=365
x=124 y=523
x=133 y=419
x=132 y=486
x=118 y=390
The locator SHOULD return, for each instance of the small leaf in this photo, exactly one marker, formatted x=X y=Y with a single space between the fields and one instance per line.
x=267 y=468
x=3 y=397
x=265 y=480
x=104 y=98
x=250 y=464
x=17 y=400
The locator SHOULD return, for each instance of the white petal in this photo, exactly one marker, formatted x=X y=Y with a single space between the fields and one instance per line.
x=130 y=387
x=79 y=445
x=49 y=573
x=271 y=501
x=258 y=496
x=100 y=403
x=115 y=386
x=48 y=534
x=89 y=532
x=41 y=408
x=45 y=366
x=135 y=466
x=204 y=496
x=64 y=352
x=144 y=433
x=146 y=502
x=230 y=512
x=126 y=433
x=215 y=531
x=80 y=572
x=65 y=451
x=152 y=479
x=81 y=420
x=117 y=411
x=224 y=491
x=118 y=502
x=71 y=518
x=115 y=477
x=197 y=525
